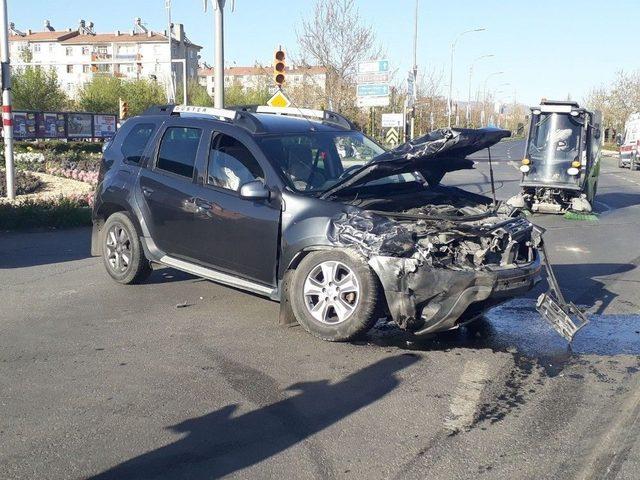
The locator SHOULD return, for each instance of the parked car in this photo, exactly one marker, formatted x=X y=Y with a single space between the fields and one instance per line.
x=630 y=143
x=299 y=206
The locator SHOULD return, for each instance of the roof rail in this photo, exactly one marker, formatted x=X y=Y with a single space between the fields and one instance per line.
x=220 y=113
x=322 y=115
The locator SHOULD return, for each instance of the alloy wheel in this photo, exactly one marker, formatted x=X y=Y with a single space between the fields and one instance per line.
x=331 y=292
x=118 y=248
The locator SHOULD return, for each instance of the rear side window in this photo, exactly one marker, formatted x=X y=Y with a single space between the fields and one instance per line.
x=178 y=150
x=136 y=141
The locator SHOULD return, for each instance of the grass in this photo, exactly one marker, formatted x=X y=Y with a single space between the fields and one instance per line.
x=589 y=217
x=60 y=213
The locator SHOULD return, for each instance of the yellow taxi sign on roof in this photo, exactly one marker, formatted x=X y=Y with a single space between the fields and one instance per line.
x=279 y=99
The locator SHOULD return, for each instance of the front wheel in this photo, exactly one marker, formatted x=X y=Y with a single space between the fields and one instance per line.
x=335 y=295
x=122 y=252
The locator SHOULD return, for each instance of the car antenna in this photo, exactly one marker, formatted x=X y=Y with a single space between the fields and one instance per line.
x=493 y=185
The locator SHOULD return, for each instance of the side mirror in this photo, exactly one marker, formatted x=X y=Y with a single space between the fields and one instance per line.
x=255 y=190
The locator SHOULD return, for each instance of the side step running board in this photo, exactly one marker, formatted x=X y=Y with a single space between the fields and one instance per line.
x=219 y=277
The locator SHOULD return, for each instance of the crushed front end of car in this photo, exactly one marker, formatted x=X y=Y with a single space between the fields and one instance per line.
x=444 y=255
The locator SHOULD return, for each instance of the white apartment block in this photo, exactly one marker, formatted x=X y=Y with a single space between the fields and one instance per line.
x=259 y=77
x=78 y=55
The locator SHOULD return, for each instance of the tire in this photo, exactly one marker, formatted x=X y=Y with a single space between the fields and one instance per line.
x=122 y=252
x=633 y=164
x=358 y=298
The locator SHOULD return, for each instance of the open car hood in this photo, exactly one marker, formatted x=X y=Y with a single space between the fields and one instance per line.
x=432 y=155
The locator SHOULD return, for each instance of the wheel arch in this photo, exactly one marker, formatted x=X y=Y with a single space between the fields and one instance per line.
x=100 y=216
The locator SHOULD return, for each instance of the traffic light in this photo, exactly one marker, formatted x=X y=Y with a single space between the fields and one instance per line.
x=279 y=67
x=124 y=109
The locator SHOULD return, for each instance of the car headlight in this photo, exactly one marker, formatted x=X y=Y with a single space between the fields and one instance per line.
x=525 y=168
x=575 y=164
x=573 y=171
x=526 y=161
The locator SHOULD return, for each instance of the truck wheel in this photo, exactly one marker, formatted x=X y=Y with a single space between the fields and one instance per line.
x=122 y=252
x=335 y=295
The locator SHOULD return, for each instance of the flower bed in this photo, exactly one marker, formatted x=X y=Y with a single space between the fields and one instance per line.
x=24 y=182
x=63 y=212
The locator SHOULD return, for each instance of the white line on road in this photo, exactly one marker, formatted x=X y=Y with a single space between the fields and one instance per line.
x=464 y=402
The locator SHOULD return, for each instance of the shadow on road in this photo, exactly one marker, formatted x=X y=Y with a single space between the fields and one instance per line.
x=218 y=444
x=617 y=200
x=29 y=249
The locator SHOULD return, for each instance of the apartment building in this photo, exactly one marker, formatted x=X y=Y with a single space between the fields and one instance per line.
x=260 y=77
x=79 y=54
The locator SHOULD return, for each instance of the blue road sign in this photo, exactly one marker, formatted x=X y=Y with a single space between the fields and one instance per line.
x=373 y=90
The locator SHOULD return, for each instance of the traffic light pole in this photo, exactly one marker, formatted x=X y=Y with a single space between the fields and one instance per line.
x=218 y=92
x=7 y=117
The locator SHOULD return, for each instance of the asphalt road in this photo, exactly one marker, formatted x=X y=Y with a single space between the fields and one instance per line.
x=105 y=381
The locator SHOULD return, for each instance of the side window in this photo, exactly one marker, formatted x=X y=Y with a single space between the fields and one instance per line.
x=136 y=141
x=178 y=150
x=231 y=164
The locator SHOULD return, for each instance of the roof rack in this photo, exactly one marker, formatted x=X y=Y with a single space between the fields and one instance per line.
x=326 y=116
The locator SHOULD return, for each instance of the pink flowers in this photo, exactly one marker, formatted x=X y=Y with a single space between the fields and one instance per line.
x=76 y=174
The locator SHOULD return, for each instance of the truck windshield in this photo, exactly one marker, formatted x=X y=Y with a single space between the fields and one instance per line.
x=555 y=140
x=313 y=162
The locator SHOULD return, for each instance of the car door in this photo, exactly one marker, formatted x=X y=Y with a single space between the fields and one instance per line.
x=234 y=234
x=167 y=187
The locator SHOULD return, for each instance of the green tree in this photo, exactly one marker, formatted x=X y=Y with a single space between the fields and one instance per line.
x=101 y=94
x=142 y=94
x=235 y=95
x=37 y=88
x=196 y=95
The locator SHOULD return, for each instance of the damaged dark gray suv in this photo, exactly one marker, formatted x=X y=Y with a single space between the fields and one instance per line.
x=299 y=206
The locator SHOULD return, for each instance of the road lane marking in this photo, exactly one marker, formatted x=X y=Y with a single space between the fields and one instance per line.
x=465 y=400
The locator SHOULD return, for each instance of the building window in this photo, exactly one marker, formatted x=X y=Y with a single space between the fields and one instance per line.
x=36 y=47
x=86 y=68
x=51 y=48
x=101 y=49
x=85 y=50
x=68 y=51
x=69 y=68
x=104 y=67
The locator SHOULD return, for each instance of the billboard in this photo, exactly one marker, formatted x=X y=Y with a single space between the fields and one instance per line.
x=63 y=125
x=79 y=125
x=24 y=125
x=51 y=125
x=104 y=126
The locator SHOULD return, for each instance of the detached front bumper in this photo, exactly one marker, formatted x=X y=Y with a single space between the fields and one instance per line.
x=426 y=299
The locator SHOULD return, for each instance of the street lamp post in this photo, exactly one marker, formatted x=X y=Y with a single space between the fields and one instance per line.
x=484 y=99
x=470 y=77
x=453 y=49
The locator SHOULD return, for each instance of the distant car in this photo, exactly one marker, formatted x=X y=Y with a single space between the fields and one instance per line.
x=272 y=201
x=630 y=144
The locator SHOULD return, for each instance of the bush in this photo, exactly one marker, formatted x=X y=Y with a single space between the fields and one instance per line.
x=24 y=182
x=58 y=146
x=60 y=213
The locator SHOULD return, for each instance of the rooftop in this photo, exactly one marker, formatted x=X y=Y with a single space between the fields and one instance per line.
x=260 y=70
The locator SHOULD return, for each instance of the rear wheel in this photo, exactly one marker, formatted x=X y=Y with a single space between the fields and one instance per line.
x=335 y=295
x=122 y=252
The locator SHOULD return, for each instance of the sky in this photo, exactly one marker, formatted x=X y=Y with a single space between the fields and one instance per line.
x=545 y=48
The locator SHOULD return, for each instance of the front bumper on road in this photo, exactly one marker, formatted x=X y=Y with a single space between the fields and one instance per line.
x=427 y=300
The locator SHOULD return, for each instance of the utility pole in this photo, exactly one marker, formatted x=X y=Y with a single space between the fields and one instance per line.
x=415 y=73
x=453 y=49
x=218 y=12
x=171 y=90
x=7 y=117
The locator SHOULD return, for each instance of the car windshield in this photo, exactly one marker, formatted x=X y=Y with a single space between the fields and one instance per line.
x=554 y=142
x=315 y=161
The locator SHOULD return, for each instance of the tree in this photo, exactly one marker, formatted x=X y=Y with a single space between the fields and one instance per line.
x=37 y=88
x=196 y=95
x=335 y=37
x=101 y=94
x=617 y=100
x=235 y=95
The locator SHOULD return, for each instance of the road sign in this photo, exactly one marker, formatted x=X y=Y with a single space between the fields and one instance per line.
x=372 y=101
x=390 y=120
x=374 y=66
x=392 y=137
x=382 y=77
x=373 y=90
x=279 y=99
